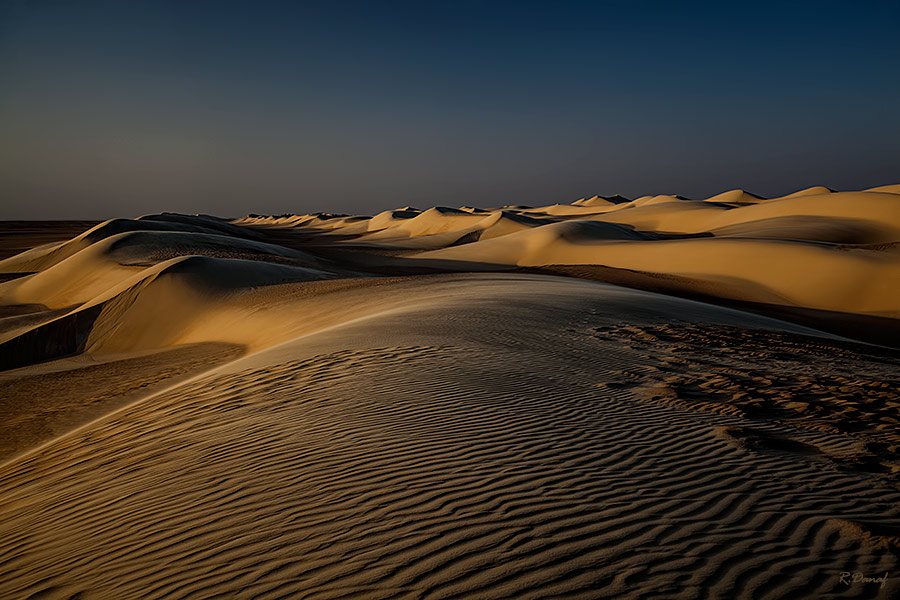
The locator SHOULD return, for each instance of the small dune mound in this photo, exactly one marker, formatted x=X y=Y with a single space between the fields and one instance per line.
x=812 y=229
x=97 y=267
x=602 y=201
x=556 y=243
x=589 y=231
x=432 y=221
x=880 y=210
x=42 y=258
x=389 y=218
x=150 y=309
x=654 y=200
x=505 y=222
x=886 y=189
x=222 y=226
x=151 y=247
x=816 y=190
x=735 y=198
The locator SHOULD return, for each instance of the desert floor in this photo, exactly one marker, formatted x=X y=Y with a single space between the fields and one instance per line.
x=649 y=398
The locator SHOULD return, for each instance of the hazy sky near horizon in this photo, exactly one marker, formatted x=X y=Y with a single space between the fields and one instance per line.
x=127 y=108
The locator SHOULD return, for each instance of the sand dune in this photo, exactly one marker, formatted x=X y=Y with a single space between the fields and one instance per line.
x=505 y=460
x=791 y=251
x=775 y=271
x=43 y=257
x=330 y=406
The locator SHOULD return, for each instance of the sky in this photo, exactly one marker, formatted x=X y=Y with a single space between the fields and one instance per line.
x=118 y=109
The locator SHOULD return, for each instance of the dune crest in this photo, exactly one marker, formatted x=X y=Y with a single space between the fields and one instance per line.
x=814 y=249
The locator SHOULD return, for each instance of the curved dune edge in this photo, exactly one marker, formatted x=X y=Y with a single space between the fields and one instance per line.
x=450 y=447
x=815 y=249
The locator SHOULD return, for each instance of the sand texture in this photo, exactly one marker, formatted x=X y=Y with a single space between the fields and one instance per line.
x=458 y=403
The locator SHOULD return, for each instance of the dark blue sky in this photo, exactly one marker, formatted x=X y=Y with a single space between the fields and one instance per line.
x=125 y=108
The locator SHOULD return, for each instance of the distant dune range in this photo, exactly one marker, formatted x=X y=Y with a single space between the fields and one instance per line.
x=457 y=402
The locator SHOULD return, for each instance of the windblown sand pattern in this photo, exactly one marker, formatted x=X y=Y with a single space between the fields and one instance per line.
x=784 y=377
x=304 y=413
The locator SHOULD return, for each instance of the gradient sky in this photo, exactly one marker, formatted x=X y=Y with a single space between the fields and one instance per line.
x=116 y=109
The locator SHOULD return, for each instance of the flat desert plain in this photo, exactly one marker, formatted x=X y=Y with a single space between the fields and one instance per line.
x=651 y=398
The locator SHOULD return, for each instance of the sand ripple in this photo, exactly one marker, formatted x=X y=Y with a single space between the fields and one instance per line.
x=486 y=466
